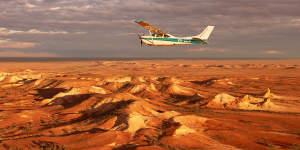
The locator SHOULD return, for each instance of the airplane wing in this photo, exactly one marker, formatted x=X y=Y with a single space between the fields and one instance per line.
x=151 y=28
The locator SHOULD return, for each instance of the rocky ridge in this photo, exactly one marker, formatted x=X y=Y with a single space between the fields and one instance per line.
x=132 y=111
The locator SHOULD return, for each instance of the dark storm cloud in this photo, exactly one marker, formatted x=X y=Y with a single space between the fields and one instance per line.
x=105 y=27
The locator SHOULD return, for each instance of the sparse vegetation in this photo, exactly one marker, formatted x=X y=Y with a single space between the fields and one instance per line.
x=266 y=143
x=297 y=132
x=14 y=148
x=26 y=129
x=295 y=147
x=245 y=121
x=46 y=145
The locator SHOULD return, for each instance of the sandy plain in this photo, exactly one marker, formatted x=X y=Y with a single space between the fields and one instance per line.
x=150 y=104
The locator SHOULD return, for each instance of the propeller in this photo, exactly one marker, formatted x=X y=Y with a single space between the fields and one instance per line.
x=140 y=37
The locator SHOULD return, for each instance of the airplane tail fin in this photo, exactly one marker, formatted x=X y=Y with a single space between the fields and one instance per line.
x=206 y=33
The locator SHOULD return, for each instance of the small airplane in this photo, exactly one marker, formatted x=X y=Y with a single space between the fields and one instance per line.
x=158 y=37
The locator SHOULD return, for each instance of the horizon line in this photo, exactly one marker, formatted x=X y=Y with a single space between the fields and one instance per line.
x=36 y=59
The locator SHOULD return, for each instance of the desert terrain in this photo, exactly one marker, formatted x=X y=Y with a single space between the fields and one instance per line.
x=150 y=105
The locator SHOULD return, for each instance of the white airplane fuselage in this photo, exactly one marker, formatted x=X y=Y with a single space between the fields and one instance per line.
x=169 y=41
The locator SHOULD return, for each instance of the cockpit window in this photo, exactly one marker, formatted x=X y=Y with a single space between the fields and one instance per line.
x=158 y=35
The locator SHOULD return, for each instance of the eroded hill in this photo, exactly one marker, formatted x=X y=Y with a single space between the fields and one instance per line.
x=147 y=105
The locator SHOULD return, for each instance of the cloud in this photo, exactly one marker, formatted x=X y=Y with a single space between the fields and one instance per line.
x=296 y=21
x=80 y=32
x=5 y=31
x=90 y=22
x=7 y=43
x=76 y=22
x=30 y=5
x=35 y=31
x=72 y=8
x=203 y=49
x=243 y=28
x=199 y=49
x=55 y=8
x=26 y=54
x=273 y=52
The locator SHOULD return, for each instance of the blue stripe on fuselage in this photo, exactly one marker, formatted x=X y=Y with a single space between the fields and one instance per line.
x=181 y=40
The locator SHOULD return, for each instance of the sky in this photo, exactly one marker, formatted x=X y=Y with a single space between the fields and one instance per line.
x=106 y=28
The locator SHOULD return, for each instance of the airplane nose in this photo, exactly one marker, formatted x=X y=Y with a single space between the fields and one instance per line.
x=140 y=37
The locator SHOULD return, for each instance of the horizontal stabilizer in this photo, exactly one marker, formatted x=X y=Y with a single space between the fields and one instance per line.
x=198 y=39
